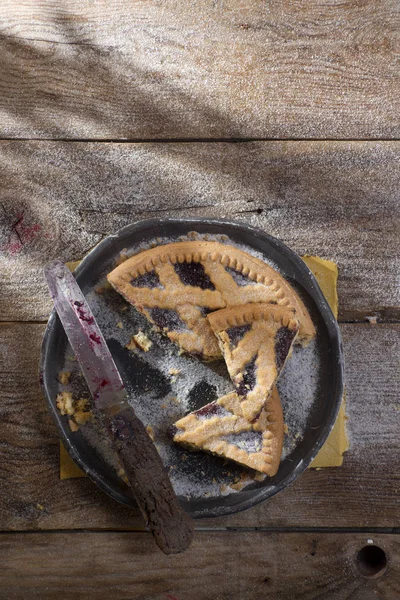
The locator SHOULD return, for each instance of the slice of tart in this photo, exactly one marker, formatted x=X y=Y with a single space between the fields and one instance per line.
x=255 y=340
x=218 y=428
x=176 y=285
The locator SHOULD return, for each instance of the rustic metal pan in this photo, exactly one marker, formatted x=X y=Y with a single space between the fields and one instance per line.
x=322 y=411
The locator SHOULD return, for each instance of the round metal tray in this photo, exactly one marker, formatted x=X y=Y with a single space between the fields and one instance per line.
x=322 y=411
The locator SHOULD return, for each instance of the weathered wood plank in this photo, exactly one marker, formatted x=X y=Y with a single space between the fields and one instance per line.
x=257 y=565
x=337 y=200
x=198 y=70
x=361 y=493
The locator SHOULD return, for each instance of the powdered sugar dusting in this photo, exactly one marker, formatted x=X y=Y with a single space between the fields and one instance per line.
x=160 y=398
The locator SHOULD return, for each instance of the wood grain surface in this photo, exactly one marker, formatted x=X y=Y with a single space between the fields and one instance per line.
x=301 y=566
x=162 y=72
x=338 y=200
x=152 y=70
x=361 y=493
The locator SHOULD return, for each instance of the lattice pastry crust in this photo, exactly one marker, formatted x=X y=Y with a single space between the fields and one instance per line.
x=220 y=428
x=176 y=285
x=255 y=340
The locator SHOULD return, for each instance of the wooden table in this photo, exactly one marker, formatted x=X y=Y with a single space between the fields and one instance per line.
x=283 y=114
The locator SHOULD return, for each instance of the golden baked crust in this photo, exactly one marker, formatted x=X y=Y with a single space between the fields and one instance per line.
x=222 y=434
x=255 y=341
x=222 y=276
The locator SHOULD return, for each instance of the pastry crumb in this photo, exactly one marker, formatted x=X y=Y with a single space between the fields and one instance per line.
x=175 y=400
x=163 y=406
x=82 y=417
x=80 y=404
x=286 y=428
x=121 y=473
x=131 y=345
x=223 y=488
x=65 y=403
x=75 y=409
x=72 y=425
x=258 y=476
x=372 y=320
x=105 y=287
x=64 y=377
x=143 y=341
x=174 y=371
x=139 y=340
x=123 y=256
x=120 y=325
x=150 y=431
x=238 y=485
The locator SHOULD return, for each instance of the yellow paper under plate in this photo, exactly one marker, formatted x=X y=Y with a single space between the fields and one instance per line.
x=331 y=453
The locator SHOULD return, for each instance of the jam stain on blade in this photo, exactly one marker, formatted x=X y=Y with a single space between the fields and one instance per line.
x=148 y=280
x=283 y=340
x=193 y=274
x=95 y=338
x=201 y=393
x=167 y=319
x=139 y=377
x=249 y=378
x=236 y=334
x=81 y=313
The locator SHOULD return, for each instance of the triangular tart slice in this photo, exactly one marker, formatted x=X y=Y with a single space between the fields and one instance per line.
x=255 y=341
x=218 y=428
x=176 y=285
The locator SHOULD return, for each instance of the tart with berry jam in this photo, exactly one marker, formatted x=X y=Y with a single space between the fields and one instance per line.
x=255 y=340
x=218 y=428
x=177 y=285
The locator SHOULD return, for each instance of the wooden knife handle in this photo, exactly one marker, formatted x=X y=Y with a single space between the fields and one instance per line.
x=171 y=527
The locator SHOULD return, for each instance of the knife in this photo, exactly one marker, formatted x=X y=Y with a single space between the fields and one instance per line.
x=171 y=527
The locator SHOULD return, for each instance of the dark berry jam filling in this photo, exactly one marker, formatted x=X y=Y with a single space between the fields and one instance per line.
x=212 y=410
x=148 y=280
x=172 y=431
x=283 y=340
x=236 y=334
x=249 y=378
x=194 y=274
x=167 y=319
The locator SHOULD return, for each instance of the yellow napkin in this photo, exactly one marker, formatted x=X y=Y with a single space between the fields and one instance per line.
x=331 y=454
